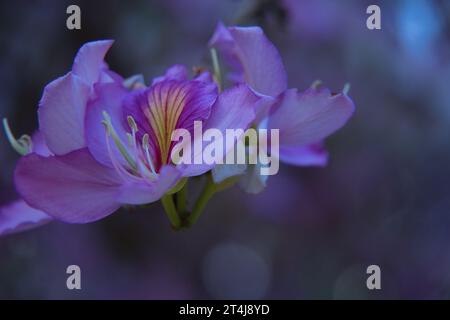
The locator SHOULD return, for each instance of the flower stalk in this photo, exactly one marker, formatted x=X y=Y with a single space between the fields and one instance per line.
x=177 y=211
x=208 y=192
x=171 y=211
x=181 y=200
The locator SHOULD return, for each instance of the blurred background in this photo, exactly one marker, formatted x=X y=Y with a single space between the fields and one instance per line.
x=383 y=199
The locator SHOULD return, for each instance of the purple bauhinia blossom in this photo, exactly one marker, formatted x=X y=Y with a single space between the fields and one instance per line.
x=304 y=119
x=108 y=140
x=105 y=141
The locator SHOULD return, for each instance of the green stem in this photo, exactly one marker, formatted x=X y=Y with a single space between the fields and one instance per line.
x=206 y=195
x=182 y=199
x=171 y=211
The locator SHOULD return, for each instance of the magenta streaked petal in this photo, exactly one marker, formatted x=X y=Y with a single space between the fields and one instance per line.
x=73 y=188
x=169 y=105
x=61 y=113
x=18 y=216
x=309 y=117
x=109 y=98
x=144 y=191
x=88 y=62
x=252 y=57
x=310 y=155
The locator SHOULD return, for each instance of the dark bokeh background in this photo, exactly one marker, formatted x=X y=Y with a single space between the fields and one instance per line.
x=383 y=199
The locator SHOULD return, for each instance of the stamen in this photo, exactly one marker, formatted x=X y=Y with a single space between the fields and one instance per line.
x=117 y=166
x=112 y=132
x=216 y=67
x=346 y=88
x=145 y=145
x=23 y=145
x=141 y=168
x=132 y=124
x=134 y=129
x=131 y=141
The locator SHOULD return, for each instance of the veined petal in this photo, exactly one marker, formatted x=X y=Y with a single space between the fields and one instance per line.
x=73 y=188
x=252 y=57
x=309 y=117
x=169 y=105
x=18 y=216
x=88 y=62
x=61 y=113
x=310 y=155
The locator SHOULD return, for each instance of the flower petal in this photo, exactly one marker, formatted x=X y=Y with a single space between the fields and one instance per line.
x=74 y=188
x=310 y=155
x=39 y=144
x=61 y=113
x=166 y=106
x=309 y=117
x=88 y=62
x=234 y=109
x=177 y=72
x=109 y=98
x=63 y=104
x=252 y=57
x=18 y=216
x=145 y=191
x=224 y=171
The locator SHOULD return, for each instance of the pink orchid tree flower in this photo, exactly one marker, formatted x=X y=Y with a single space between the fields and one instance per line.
x=109 y=144
x=104 y=141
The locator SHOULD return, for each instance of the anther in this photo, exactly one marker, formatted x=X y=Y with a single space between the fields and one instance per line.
x=23 y=145
x=132 y=124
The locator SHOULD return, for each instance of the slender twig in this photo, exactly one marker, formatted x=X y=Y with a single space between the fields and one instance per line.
x=181 y=198
x=207 y=193
x=171 y=211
